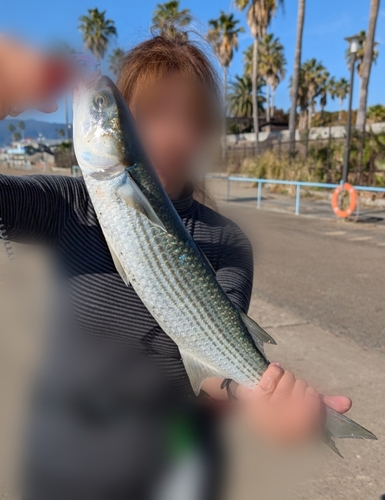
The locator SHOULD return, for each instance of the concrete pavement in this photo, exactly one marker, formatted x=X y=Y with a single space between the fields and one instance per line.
x=319 y=290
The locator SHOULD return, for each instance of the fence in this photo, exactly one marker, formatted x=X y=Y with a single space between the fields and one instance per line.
x=297 y=184
x=323 y=156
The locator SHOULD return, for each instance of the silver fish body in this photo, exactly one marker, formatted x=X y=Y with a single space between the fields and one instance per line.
x=153 y=251
x=176 y=286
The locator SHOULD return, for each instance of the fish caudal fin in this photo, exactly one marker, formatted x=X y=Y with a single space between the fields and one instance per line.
x=340 y=426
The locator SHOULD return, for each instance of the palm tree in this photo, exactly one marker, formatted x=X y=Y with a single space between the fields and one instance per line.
x=169 y=20
x=223 y=35
x=259 y=15
x=367 y=65
x=327 y=89
x=376 y=113
x=11 y=127
x=248 y=60
x=115 y=60
x=361 y=52
x=313 y=82
x=340 y=89
x=296 y=74
x=21 y=126
x=97 y=32
x=272 y=68
x=62 y=47
x=240 y=99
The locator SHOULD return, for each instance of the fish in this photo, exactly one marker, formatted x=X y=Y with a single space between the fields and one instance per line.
x=154 y=253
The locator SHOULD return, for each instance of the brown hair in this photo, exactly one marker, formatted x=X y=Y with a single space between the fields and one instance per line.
x=160 y=56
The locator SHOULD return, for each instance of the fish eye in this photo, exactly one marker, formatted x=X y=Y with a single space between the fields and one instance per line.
x=100 y=101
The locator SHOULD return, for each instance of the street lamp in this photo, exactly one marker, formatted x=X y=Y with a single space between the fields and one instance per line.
x=354 y=46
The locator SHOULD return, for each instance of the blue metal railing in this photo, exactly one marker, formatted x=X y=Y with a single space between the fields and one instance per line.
x=298 y=185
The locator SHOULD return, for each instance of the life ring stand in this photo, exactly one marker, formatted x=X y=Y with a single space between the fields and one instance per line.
x=343 y=214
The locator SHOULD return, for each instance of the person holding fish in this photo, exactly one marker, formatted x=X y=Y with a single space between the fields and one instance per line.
x=119 y=370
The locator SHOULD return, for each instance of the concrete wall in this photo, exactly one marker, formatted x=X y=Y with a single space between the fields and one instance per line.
x=337 y=132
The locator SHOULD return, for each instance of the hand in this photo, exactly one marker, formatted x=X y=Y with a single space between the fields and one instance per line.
x=29 y=79
x=283 y=410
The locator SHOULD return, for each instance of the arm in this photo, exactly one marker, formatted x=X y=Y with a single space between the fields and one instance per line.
x=34 y=208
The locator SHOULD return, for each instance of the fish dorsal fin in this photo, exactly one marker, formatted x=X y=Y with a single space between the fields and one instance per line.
x=257 y=333
x=131 y=194
x=118 y=264
x=197 y=371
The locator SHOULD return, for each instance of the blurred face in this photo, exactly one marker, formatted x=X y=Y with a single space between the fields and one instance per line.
x=173 y=119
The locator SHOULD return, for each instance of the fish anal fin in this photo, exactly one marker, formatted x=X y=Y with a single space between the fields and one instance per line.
x=257 y=333
x=118 y=264
x=329 y=441
x=197 y=371
x=130 y=193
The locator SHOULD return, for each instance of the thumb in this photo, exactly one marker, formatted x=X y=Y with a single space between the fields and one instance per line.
x=338 y=403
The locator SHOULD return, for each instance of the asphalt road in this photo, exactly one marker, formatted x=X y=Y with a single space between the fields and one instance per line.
x=330 y=272
x=319 y=291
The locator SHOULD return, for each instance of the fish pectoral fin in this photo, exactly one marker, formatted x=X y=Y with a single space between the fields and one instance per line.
x=197 y=371
x=118 y=264
x=257 y=333
x=132 y=195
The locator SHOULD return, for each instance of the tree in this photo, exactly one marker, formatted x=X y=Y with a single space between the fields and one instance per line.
x=21 y=126
x=313 y=80
x=240 y=99
x=11 y=127
x=376 y=113
x=313 y=83
x=115 y=60
x=259 y=15
x=296 y=74
x=248 y=60
x=327 y=89
x=367 y=65
x=169 y=21
x=16 y=136
x=60 y=132
x=97 y=32
x=64 y=48
x=339 y=89
x=272 y=68
x=223 y=35
x=361 y=52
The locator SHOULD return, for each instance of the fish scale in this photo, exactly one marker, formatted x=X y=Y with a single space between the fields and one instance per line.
x=167 y=284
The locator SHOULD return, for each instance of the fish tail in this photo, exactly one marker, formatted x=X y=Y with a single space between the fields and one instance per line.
x=340 y=426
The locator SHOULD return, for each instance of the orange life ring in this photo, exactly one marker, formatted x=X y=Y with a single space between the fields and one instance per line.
x=352 y=198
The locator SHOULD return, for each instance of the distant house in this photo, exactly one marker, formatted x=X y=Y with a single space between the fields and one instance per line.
x=16 y=149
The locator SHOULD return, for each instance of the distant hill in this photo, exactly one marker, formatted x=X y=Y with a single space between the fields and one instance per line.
x=32 y=129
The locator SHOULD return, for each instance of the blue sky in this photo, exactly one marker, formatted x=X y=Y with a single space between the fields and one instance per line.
x=326 y=25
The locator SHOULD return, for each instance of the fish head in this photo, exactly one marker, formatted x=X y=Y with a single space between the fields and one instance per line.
x=104 y=131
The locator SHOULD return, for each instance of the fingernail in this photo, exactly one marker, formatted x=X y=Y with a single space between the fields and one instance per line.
x=311 y=391
x=277 y=364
